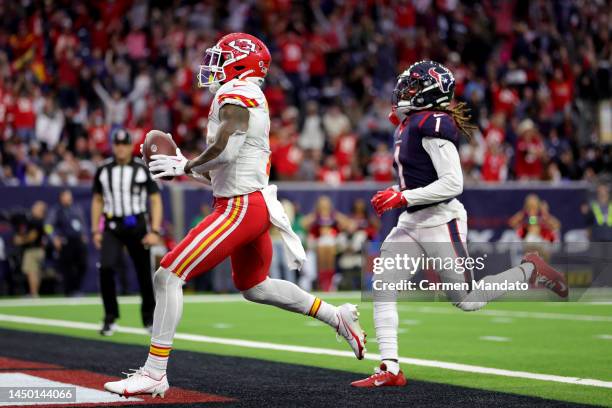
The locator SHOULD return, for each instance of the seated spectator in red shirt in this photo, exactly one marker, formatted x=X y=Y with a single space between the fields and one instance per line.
x=381 y=165
x=494 y=166
x=496 y=131
x=99 y=133
x=505 y=99
x=286 y=156
x=561 y=91
x=529 y=152
x=329 y=173
x=24 y=116
x=346 y=146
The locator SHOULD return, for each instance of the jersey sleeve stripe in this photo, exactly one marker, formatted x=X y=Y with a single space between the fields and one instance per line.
x=248 y=102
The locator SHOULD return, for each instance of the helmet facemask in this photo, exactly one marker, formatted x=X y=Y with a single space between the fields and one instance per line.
x=211 y=72
x=406 y=94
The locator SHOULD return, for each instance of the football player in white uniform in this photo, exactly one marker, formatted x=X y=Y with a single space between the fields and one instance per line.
x=236 y=164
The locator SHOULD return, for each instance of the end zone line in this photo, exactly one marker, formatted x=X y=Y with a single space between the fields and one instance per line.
x=315 y=350
x=136 y=300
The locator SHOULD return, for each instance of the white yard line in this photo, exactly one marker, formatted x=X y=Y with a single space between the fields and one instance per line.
x=317 y=351
x=508 y=313
x=495 y=338
x=604 y=336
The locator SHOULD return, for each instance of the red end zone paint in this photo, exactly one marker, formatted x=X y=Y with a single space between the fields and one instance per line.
x=96 y=381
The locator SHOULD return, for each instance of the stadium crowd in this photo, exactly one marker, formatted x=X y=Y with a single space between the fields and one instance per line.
x=533 y=74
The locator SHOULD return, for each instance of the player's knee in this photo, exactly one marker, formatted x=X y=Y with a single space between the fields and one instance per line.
x=468 y=306
x=164 y=277
x=257 y=293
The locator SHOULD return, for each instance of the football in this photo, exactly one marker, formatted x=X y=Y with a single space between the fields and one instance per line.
x=158 y=142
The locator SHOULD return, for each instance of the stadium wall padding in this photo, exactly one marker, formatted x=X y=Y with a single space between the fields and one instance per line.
x=489 y=208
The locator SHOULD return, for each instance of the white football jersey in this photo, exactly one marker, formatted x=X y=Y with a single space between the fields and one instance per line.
x=250 y=171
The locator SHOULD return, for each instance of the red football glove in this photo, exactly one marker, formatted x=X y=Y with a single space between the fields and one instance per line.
x=387 y=200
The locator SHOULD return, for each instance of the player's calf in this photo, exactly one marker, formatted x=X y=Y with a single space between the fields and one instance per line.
x=288 y=296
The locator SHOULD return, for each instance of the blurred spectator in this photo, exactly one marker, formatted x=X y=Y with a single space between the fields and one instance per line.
x=494 y=165
x=89 y=66
x=65 y=226
x=529 y=152
x=336 y=123
x=329 y=173
x=312 y=136
x=323 y=226
x=598 y=215
x=535 y=226
x=49 y=124
x=30 y=239
x=381 y=166
x=362 y=227
x=24 y=115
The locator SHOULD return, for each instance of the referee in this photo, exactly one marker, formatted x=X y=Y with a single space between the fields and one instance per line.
x=122 y=185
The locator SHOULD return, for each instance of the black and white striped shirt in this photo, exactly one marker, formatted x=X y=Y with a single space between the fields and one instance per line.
x=124 y=188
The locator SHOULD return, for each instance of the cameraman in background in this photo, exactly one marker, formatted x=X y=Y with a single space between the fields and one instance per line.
x=66 y=228
x=30 y=240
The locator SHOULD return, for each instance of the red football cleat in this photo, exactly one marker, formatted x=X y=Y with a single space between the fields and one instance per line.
x=546 y=275
x=381 y=378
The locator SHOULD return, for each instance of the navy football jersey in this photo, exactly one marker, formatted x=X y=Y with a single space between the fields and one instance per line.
x=412 y=163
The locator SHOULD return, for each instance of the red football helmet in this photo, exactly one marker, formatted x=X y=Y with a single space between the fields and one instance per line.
x=236 y=55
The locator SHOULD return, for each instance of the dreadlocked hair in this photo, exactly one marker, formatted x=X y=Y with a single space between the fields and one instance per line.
x=461 y=116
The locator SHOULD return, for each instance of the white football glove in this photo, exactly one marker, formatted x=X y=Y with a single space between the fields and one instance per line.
x=167 y=166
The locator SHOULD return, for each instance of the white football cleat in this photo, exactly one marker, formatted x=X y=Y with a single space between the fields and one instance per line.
x=139 y=382
x=350 y=329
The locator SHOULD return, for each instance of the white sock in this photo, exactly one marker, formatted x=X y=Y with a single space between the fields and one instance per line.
x=288 y=296
x=385 y=323
x=168 y=311
x=392 y=366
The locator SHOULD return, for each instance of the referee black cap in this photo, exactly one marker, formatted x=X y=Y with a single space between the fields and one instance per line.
x=121 y=136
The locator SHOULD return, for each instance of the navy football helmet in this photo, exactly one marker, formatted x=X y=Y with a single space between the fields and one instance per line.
x=424 y=85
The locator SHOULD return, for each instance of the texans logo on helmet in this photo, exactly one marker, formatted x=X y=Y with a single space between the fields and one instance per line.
x=444 y=78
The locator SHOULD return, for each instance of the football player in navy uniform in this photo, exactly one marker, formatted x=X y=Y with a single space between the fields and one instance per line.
x=434 y=222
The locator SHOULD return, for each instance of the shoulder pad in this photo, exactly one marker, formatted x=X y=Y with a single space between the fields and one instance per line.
x=242 y=93
x=439 y=125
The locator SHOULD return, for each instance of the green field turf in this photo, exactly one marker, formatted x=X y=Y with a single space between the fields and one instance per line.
x=565 y=339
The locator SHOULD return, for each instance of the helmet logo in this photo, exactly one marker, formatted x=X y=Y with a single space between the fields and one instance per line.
x=444 y=79
x=244 y=45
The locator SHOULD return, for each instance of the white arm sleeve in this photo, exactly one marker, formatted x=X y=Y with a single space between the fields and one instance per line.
x=445 y=158
x=228 y=155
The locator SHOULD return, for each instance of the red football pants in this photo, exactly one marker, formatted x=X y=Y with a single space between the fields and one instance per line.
x=238 y=227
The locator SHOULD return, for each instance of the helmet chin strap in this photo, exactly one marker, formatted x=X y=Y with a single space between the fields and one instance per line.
x=256 y=80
